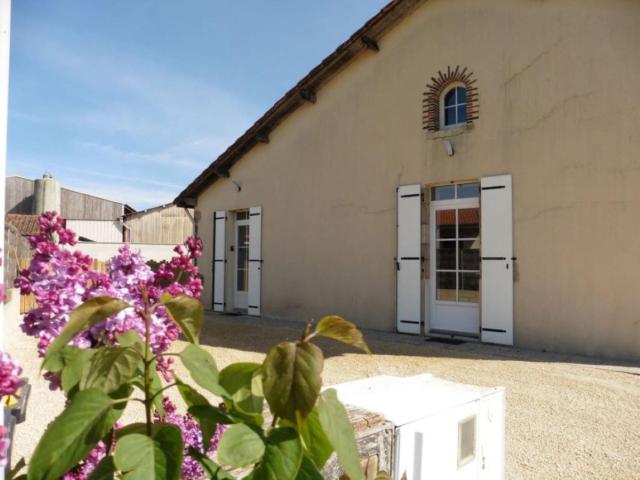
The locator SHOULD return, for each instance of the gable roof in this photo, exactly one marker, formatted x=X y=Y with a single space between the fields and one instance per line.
x=304 y=91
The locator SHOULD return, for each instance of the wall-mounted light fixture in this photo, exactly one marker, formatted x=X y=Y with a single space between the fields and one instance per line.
x=448 y=147
x=237 y=184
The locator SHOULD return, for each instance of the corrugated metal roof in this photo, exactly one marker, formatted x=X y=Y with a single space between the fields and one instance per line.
x=26 y=224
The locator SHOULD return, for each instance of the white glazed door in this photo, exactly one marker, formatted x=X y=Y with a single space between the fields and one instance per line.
x=497 y=260
x=241 y=291
x=455 y=267
x=219 y=259
x=408 y=260
x=255 y=260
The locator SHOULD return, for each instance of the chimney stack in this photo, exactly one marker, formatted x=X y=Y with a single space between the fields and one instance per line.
x=47 y=195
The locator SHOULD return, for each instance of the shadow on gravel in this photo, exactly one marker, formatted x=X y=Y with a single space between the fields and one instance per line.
x=253 y=334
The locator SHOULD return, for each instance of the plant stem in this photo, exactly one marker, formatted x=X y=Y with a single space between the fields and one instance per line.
x=166 y=387
x=146 y=316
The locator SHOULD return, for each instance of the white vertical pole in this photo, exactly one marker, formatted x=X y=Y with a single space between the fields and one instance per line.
x=5 y=37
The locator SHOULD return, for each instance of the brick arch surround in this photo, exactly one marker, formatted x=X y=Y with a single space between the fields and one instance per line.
x=437 y=86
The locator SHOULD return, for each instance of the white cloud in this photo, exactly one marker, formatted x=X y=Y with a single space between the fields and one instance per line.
x=127 y=113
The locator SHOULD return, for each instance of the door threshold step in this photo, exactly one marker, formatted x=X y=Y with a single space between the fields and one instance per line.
x=448 y=341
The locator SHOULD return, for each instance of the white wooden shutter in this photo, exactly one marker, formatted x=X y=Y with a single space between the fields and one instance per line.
x=219 y=259
x=255 y=259
x=496 y=245
x=408 y=260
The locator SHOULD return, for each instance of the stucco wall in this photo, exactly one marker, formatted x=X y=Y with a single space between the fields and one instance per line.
x=559 y=110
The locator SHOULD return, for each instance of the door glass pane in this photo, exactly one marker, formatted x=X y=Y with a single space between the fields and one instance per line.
x=446 y=223
x=243 y=280
x=469 y=285
x=469 y=223
x=242 y=259
x=446 y=255
x=469 y=255
x=446 y=286
x=446 y=192
x=243 y=236
x=469 y=190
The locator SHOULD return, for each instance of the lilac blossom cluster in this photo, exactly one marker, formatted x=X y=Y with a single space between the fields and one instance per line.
x=10 y=383
x=83 y=470
x=61 y=279
x=191 y=437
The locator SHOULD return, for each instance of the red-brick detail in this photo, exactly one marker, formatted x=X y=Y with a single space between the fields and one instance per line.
x=437 y=86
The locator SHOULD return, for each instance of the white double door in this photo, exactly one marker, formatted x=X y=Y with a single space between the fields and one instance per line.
x=246 y=251
x=455 y=267
x=470 y=260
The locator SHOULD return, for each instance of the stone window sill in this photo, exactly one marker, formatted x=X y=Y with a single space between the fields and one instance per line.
x=450 y=132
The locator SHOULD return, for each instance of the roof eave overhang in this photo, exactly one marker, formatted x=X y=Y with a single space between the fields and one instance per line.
x=366 y=38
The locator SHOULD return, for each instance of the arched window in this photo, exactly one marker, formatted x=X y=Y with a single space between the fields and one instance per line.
x=450 y=100
x=454 y=107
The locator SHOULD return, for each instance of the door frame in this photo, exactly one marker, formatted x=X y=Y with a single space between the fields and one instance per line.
x=435 y=205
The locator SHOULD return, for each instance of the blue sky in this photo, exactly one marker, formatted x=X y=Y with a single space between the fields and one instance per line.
x=131 y=99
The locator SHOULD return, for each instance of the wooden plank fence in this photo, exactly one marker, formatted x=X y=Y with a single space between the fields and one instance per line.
x=28 y=302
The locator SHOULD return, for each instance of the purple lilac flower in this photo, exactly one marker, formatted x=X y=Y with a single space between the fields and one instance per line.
x=4 y=445
x=61 y=279
x=10 y=381
x=191 y=437
x=86 y=466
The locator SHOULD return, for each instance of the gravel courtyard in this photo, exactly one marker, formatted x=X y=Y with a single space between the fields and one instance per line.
x=567 y=417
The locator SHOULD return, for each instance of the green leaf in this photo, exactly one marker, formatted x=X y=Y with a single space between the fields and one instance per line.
x=17 y=468
x=75 y=363
x=105 y=470
x=244 y=383
x=141 y=457
x=282 y=457
x=60 y=359
x=211 y=469
x=72 y=435
x=240 y=446
x=209 y=417
x=292 y=379
x=130 y=338
x=338 y=429
x=137 y=427
x=155 y=388
x=339 y=329
x=308 y=470
x=187 y=312
x=202 y=368
x=318 y=445
x=189 y=394
x=85 y=316
x=110 y=368
x=119 y=398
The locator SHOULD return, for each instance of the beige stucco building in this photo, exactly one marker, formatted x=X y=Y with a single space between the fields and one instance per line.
x=534 y=241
